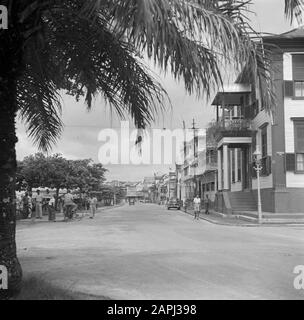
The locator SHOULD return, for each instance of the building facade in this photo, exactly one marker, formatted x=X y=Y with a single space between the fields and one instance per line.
x=243 y=126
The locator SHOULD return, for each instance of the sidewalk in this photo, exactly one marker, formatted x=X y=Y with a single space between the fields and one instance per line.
x=234 y=220
x=221 y=219
x=60 y=218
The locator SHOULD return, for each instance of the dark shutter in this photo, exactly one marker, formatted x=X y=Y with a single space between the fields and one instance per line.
x=288 y=89
x=298 y=67
x=254 y=142
x=290 y=162
x=268 y=165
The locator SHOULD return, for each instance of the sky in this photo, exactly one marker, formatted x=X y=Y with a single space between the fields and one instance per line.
x=79 y=139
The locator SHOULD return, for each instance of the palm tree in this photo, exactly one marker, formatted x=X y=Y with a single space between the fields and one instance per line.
x=90 y=47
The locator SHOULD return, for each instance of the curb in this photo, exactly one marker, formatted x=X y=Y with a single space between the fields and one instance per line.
x=245 y=224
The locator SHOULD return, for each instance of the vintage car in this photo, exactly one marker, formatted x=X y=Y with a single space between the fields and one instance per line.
x=174 y=203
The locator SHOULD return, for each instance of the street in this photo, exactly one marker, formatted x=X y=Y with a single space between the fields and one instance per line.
x=147 y=252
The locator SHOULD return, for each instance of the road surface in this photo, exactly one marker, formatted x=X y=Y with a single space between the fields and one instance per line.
x=147 y=252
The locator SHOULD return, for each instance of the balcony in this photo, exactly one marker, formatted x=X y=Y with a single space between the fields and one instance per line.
x=232 y=128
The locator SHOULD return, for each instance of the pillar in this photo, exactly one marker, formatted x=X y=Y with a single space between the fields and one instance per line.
x=219 y=169
x=225 y=168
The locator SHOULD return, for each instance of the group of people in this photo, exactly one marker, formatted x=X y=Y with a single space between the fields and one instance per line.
x=32 y=207
x=197 y=206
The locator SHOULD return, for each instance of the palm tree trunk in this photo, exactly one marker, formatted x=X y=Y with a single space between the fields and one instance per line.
x=11 y=66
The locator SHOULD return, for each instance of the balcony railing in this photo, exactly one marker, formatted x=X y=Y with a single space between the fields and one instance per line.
x=232 y=128
x=235 y=125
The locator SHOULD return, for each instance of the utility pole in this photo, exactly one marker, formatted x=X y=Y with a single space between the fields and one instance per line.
x=194 y=155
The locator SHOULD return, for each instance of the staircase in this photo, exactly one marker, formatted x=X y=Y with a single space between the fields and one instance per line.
x=242 y=201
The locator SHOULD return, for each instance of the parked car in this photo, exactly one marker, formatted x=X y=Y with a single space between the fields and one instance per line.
x=174 y=203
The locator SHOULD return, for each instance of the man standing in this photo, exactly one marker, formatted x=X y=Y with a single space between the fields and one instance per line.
x=93 y=206
x=38 y=206
x=197 y=203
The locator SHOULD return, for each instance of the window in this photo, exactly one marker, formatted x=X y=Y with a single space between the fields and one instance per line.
x=298 y=67
x=298 y=75
x=299 y=89
x=300 y=162
x=299 y=145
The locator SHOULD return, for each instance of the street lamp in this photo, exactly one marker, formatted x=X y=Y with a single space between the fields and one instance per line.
x=258 y=168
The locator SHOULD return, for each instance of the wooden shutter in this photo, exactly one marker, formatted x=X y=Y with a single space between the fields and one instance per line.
x=288 y=89
x=298 y=67
x=290 y=162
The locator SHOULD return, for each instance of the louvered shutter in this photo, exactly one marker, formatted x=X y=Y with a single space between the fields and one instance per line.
x=288 y=89
x=290 y=162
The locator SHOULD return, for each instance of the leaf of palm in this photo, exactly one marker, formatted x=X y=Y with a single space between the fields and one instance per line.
x=292 y=7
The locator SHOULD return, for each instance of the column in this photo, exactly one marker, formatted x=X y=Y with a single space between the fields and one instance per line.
x=225 y=167
x=236 y=165
x=219 y=169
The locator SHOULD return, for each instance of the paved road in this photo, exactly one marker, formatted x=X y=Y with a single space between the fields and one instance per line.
x=147 y=252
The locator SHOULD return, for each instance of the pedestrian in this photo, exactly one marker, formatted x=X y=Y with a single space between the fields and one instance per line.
x=46 y=199
x=196 y=202
x=93 y=206
x=51 y=209
x=207 y=204
x=38 y=206
x=69 y=206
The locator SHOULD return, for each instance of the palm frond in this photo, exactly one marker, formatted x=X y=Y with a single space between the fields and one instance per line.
x=91 y=61
x=292 y=8
x=39 y=107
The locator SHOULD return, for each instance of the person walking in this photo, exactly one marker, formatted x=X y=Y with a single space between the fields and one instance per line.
x=207 y=204
x=197 y=203
x=93 y=206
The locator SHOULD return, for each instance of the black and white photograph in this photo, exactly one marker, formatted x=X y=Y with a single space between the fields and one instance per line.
x=151 y=153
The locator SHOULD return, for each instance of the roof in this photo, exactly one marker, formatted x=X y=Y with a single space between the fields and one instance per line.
x=234 y=89
x=291 y=39
x=292 y=34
